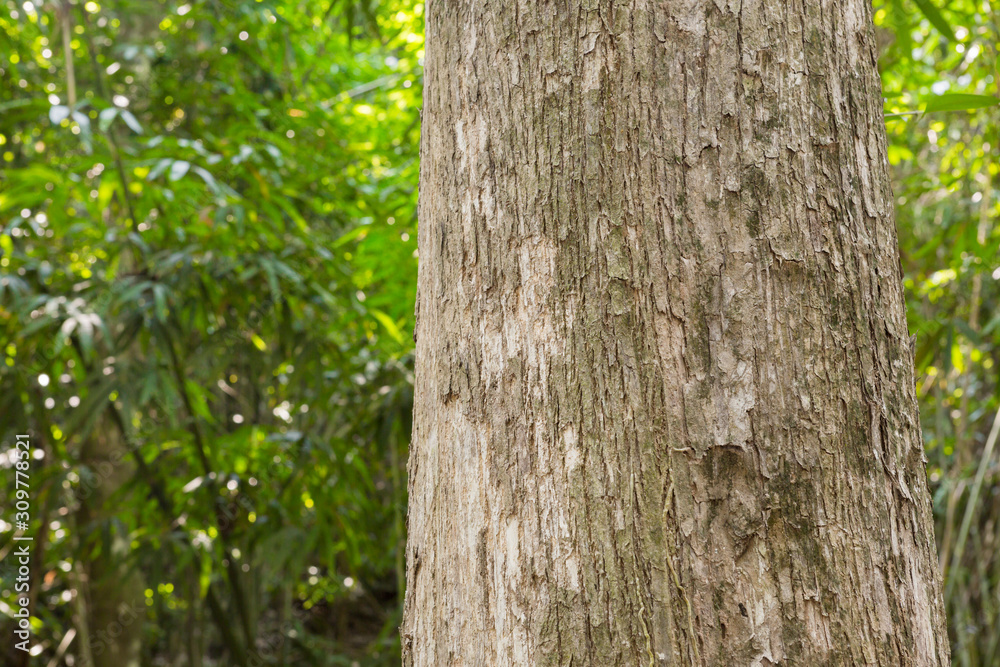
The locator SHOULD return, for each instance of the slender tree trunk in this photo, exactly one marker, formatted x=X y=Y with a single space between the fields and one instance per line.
x=665 y=410
x=115 y=605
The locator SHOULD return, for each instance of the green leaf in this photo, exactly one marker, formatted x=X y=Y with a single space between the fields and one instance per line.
x=106 y=117
x=130 y=121
x=194 y=484
x=85 y=334
x=959 y=102
x=199 y=403
x=935 y=17
x=389 y=325
x=178 y=169
x=160 y=299
x=209 y=179
x=160 y=167
x=359 y=231
x=259 y=342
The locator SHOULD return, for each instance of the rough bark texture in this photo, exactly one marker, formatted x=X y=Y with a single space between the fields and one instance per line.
x=665 y=410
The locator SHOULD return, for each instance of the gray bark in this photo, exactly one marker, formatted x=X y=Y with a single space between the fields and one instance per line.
x=665 y=409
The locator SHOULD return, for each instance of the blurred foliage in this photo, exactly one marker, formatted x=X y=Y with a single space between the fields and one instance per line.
x=942 y=58
x=207 y=260
x=208 y=256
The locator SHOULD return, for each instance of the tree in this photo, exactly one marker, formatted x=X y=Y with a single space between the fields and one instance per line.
x=112 y=591
x=664 y=401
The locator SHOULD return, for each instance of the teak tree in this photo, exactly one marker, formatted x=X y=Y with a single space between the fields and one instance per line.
x=665 y=409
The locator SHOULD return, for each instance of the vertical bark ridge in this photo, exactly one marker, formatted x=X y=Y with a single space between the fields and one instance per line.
x=665 y=411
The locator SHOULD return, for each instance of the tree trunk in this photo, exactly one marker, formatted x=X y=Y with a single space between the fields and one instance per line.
x=665 y=410
x=115 y=605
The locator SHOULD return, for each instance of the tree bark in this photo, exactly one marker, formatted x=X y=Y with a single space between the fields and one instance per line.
x=665 y=409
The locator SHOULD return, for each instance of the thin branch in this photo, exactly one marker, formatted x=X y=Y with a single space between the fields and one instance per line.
x=970 y=507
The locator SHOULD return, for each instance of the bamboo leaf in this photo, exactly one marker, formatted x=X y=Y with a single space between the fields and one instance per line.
x=959 y=102
x=935 y=17
x=178 y=169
